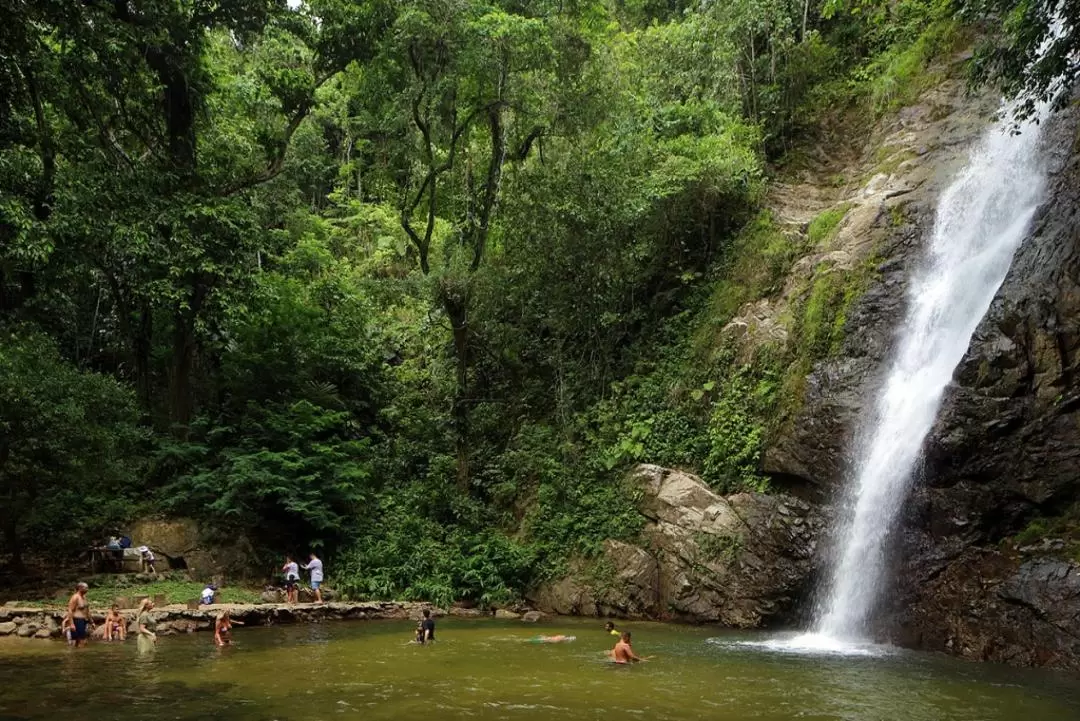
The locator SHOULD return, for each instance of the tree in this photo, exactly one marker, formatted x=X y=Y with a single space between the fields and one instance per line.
x=68 y=444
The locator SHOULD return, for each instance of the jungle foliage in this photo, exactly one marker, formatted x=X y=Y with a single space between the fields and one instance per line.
x=412 y=281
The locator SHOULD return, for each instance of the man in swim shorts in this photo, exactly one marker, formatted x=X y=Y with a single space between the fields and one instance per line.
x=79 y=610
x=623 y=653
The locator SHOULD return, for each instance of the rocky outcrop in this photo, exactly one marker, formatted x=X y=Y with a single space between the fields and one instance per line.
x=744 y=560
x=1006 y=446
x=184 y=544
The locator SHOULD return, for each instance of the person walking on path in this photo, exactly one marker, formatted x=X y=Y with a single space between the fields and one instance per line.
x=79 y=610
x=314 y=566
x=147 y=625
x=292 y=579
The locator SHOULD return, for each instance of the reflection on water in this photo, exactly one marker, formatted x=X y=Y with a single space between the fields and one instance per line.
x=487 y=671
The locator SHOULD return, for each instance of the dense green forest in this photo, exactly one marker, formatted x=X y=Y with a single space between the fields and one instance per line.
x=413 y=282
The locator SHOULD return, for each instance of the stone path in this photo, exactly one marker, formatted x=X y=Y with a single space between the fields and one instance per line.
x=178 y=618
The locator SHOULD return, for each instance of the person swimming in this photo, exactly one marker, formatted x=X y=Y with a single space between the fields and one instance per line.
x=558 y=638
x=609 y=627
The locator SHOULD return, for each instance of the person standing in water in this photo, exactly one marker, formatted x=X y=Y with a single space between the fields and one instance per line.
x=79 y=610
x=147 y=626
x=623 y=653
x=292 y=578
x=223 y=629
x=316 y=569
x=427 y=629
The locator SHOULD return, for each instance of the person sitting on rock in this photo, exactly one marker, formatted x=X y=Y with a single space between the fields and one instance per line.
x=223 y=629
x=115 y=625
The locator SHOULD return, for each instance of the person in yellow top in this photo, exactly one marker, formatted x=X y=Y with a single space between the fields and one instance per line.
x=610 y=628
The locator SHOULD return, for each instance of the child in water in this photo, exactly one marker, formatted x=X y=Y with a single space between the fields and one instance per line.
x=67 y=626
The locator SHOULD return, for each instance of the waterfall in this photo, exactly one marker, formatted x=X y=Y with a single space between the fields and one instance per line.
x=981 y=219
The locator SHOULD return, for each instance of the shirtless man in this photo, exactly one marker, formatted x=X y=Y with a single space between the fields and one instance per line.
x=79 y=610
x=622 y=653
x=115 y=625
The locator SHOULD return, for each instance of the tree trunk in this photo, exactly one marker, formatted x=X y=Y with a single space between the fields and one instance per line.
x=457 y=311
x=181 y=405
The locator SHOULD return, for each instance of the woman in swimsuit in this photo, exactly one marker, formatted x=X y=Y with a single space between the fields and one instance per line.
x=79 y=610
x=115 y=625
x=223 y=629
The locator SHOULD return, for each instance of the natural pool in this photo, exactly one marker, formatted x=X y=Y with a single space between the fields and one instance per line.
x=486 y=670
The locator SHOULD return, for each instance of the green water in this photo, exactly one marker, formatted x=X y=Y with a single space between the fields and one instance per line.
x=485 y=670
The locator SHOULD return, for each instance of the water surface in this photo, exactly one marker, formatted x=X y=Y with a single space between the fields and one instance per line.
x=487 y=670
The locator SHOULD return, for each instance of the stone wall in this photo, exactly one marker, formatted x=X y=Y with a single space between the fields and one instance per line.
x=45 y=623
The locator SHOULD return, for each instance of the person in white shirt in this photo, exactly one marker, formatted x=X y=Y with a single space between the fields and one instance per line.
x=292 y=577
x=208 y=594
x=316 y=569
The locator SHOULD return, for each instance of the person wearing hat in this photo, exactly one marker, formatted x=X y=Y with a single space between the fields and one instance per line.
x=208 y=594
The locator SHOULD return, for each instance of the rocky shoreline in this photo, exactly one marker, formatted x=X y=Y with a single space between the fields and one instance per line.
x=44 y=623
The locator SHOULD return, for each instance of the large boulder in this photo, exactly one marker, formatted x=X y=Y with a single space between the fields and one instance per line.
x=185 y=544
x=743 y=560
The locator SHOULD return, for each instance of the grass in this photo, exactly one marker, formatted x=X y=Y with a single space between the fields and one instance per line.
x=1064 y=528
x=823 y=227
x=175 y=587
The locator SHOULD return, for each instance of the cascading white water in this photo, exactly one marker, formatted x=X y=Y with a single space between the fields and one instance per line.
x=981 y=219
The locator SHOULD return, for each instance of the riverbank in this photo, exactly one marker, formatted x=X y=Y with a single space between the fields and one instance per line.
x=44 y=623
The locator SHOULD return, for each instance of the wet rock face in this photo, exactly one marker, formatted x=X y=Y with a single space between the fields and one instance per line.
x=987 y=606
x=744 y=560
x=1006 y=445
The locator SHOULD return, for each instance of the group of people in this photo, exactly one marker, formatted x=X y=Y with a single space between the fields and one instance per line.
x=291 y=569
x=78 y=622
x=623 y=653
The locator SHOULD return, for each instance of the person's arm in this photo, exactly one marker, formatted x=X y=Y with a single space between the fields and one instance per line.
x=217 y=633
x=144 y=631
x=72 y=605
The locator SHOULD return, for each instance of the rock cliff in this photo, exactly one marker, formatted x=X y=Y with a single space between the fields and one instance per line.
x=744 y=560
x=1004 y=452
x=1006 y=447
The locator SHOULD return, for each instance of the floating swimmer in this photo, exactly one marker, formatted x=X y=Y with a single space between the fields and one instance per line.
x=558 y=638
